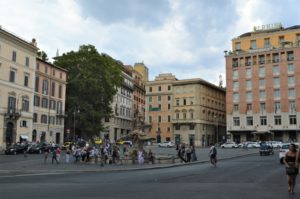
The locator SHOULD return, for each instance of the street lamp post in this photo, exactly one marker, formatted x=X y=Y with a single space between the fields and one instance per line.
x=76 y=110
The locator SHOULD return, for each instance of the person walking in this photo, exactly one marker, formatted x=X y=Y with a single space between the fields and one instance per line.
x=68 y=152
x=213 y=155
x=194 y=156
x=46 y=152
x=291 y=161
x=141 y=157
x=54 y=156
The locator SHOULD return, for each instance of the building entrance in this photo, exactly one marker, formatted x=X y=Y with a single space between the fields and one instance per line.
x=10 y=137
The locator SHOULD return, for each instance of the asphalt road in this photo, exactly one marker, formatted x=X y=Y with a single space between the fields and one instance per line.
x=245 y=177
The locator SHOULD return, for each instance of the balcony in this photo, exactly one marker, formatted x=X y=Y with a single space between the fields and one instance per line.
x=60 y=114
x=12 y=113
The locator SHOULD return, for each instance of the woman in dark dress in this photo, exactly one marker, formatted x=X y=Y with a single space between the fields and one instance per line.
x=291 y=162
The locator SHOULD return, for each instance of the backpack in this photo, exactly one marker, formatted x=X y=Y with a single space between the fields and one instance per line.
x=214 y=151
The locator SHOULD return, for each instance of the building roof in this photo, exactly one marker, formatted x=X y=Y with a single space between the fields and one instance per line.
x=198 y=81
x=58 y=67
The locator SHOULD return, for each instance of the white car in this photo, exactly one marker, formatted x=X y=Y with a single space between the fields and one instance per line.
x=229 y=145
x=166 y=144
x=253 y=145
x=284 y=149
x=275 y=144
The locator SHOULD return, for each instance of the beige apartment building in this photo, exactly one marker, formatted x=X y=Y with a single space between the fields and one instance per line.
x=17 y=72
x=49 y=103
x=198 y=112
x=159 y=107
x=263 y=84
x=143 y=70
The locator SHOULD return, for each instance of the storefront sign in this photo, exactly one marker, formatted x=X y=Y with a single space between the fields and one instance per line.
x=267 y=27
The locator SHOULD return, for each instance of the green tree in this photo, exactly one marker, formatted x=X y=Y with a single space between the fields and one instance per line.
x=42 y=55
x=92 y=83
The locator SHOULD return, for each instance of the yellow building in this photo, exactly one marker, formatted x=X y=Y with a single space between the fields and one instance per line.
x=143 y=70
x=262 y=84
x=198 y=112
x=17 y=66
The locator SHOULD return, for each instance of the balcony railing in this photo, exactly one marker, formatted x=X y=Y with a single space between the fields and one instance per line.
x=13 y=113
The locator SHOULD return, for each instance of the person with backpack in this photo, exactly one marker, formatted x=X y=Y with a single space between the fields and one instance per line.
x=213 y=155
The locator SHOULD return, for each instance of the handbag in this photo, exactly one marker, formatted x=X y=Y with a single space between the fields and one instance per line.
x=292 y=170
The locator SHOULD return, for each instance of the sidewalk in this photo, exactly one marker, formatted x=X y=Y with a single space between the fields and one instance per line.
x=36 y=166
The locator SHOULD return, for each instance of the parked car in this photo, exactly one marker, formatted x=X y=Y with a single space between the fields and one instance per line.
x=266 y=149
x=38 y=148
x=16 y=149
x=229 y=145
x=253 y=145
x=166 y=144
x=283 y=150
x=275 y=144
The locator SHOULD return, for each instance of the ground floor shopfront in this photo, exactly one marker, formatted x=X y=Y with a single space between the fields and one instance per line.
x=276 y=135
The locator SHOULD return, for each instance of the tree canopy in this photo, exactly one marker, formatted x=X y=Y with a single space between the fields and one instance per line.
x=92 y=82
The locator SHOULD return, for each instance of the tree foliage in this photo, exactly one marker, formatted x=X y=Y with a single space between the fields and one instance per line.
x=42 y=55
x=92 y=82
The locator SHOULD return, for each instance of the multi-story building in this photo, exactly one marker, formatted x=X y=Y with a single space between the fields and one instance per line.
x=198 y=112
x=143 y=70
x=17 y=66
x=122 y=121
x=263 y=84
x=49 y=102
x=159 y=107
x=138 y=97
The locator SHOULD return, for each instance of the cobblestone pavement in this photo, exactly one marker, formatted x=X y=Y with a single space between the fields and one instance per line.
x=34 y=164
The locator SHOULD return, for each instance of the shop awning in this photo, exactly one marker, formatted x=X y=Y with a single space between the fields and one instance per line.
x=261 y=132
x=25 y=137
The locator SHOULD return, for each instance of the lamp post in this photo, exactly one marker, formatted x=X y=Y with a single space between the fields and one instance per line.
x=76 y=110
x=217 y=129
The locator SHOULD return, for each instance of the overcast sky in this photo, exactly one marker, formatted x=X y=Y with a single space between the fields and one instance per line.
x=183 y=37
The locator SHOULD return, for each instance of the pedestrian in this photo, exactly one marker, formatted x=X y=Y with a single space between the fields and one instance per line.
x=150 y=156
x=181 y=153
x=68 y=155
x=194 y=156
x=54 y=156
x=213 y=155
x=58 y=151
x=46 y=152
x=188 y=154
x=291 y=161
x=141 y=157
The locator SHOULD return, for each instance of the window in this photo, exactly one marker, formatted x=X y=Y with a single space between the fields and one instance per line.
x=293 y=119
x=159 y=88
x=150 y=89
x=236 y=121
x=184 y=115
x=159 y=98
x=291 y=81
x=169 y=118
x=36 y=87
x=25 y=104
x=53 y=72
x=177 y=102
x=35 y=116
x=191 y=115
x=159 y=118
x=249 y=84
x=52 y=89
x=169 y=98
x=26 y=79
x=248 y=72
x=292 y=106
x=44 y=103
x=36 y=101
x=237 y=45
x=280 y=39
x=11 y=103
x=263 y=120
x=277 y=120
x=235 y=85
x=52 y=105
x=249 y=107
x=45 y=87
x=253 y=44
x=267 y=42
x=177 y=116
x=14 y=56
x=291 y=68
x=290 y=56
x=249 y=96
x=276 y=93
x=169 y=106
x=277 y=107
x=276 y=81
x=235 y=74
x=276 y=70
x=235 y=97
x=12 y=76
x=191 y=100
x=168 y=129
x=261 y=59
x=169 y=87
x=27 y=61
x=59 y=107
x=150 y=119
x=249 y=121
x=262 y=106
x=184 y=101
x=150 y=99
x=262 y=83
x=23 y=123
x=44 y=119
x=262 y=94
x=235 y=107
x=262 y=71
x=291 y=92
x=60 y=91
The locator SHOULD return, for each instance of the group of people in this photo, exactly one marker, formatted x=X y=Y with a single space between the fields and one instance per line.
x=186 y=153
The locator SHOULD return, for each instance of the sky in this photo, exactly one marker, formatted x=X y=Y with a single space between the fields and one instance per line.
x=184 y=37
